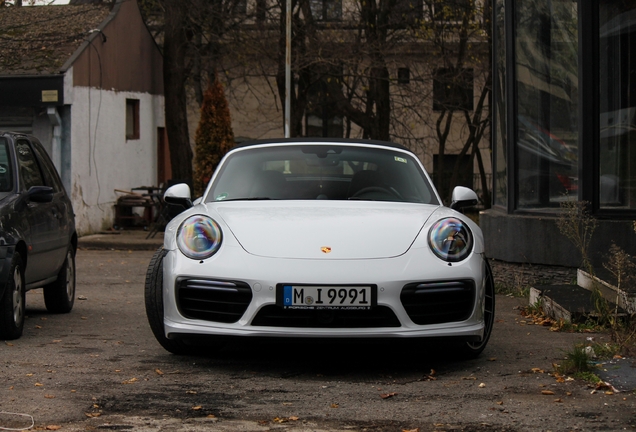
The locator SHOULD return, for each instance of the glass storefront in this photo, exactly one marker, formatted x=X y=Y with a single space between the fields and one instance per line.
x=617 y=104
x=547 y=142
x=499 y=109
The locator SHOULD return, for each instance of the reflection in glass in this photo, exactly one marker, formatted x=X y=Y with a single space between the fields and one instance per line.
x=547 y=102
x=501 y=177
x=617 y=120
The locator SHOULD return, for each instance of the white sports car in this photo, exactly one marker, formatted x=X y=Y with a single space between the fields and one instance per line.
x=320 y=238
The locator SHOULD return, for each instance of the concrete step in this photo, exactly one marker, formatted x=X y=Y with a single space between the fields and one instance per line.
x=571 y=303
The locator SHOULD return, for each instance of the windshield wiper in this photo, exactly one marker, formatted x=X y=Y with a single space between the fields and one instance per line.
x=246 y=199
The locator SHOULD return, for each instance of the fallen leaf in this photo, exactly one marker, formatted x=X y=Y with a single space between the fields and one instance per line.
x=53 y=427
x=411 y=430
x=558 y=400
x=93 y=415
x=48 y=396
x=211 y=416
x=29 y=374
x=388 y=395
x=279 y=420
x=196 y=408
x=159 y=372
x=38 y=326
x=130 y=381
x=39 y=385
x=492 y=359
x=470 y=378
x=547 y=392
x=334 y=405
x=8 y=343
x=191 y=392
x=482 y=385
x=500 y=403
x=293 y=418
x=263 y=422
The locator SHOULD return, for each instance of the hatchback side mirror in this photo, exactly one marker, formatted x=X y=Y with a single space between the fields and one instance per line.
x=463 y=197
x=178 y=194
x=40 y=194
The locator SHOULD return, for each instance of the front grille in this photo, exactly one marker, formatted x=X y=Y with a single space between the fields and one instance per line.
x=438 y=302
x=213 y=300
x=276 y=316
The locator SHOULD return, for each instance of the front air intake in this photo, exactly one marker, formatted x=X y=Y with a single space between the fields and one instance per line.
x=438 y=302
x=213 y=300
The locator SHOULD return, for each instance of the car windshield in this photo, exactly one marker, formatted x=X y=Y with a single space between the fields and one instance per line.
x=6 y=177
x=330 y=172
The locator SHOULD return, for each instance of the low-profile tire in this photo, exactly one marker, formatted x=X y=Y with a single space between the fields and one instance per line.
x=13 y=301
x=59 y=296
x=469 y=350
x=153 y=295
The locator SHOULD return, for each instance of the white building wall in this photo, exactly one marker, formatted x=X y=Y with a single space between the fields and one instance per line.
x=102 y=160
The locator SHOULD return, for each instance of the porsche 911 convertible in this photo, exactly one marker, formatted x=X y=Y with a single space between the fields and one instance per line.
x=320 y=239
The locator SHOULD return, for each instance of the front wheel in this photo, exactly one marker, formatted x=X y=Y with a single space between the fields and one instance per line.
x=13 y=301
x=473 y=349
x=59 y=296
x=153 y=295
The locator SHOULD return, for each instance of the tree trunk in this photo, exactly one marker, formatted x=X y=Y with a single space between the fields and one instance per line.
x=174 y=75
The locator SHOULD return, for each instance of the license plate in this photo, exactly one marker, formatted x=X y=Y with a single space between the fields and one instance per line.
x=327 y=297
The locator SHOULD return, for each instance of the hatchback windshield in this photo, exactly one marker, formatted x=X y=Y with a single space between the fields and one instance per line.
x=330 y=172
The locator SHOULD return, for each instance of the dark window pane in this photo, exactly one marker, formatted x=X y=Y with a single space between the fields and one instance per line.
x=453 y=89
x=547 y=102
x=617 y=76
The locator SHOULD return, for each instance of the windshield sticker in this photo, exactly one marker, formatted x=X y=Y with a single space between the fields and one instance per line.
x=221 y=197
x=400 y=159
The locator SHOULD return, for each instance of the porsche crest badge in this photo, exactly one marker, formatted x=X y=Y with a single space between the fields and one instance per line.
x=325 y=249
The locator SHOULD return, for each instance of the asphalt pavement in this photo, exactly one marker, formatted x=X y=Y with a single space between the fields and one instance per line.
x=122 y=240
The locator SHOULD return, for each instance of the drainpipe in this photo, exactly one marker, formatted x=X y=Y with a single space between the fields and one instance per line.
x=56 y=141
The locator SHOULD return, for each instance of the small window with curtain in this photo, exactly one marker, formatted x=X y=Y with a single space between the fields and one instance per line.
x=132 y=119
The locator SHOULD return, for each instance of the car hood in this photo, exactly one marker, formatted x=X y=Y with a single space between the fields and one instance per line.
x=334 y=230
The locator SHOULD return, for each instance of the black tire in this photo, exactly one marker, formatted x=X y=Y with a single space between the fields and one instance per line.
x=153 y=294
x=13 y=301
x=59 y=296
x=470 y=350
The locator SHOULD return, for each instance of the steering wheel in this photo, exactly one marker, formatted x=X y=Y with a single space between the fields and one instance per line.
x=392 y=192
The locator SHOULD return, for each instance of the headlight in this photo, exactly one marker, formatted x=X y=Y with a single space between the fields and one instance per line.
x=450 y=239
x=199 y=237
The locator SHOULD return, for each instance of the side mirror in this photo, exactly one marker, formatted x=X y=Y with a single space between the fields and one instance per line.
x=40 y=194
x=178 y=194
x=463 y=197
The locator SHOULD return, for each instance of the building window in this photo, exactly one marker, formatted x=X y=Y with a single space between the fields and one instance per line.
x=261 y=11
x=326 y=10
x=464 y=175
x=453 y=89
x=406 y=13
x=546 y=66
x=320 y=121
x=453 y=11
x=617 y=105
x=404 y=75
x=132 y=119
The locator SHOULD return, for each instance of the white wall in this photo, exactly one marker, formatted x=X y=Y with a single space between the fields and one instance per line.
x=102 y=160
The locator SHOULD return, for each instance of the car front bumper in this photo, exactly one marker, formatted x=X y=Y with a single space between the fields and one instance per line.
x=261 y=276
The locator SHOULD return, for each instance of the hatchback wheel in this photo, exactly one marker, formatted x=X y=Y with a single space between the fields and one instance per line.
x=13 y=301
x=59 y=296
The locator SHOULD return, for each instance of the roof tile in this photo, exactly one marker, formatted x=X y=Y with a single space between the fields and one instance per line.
x=39 y=40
